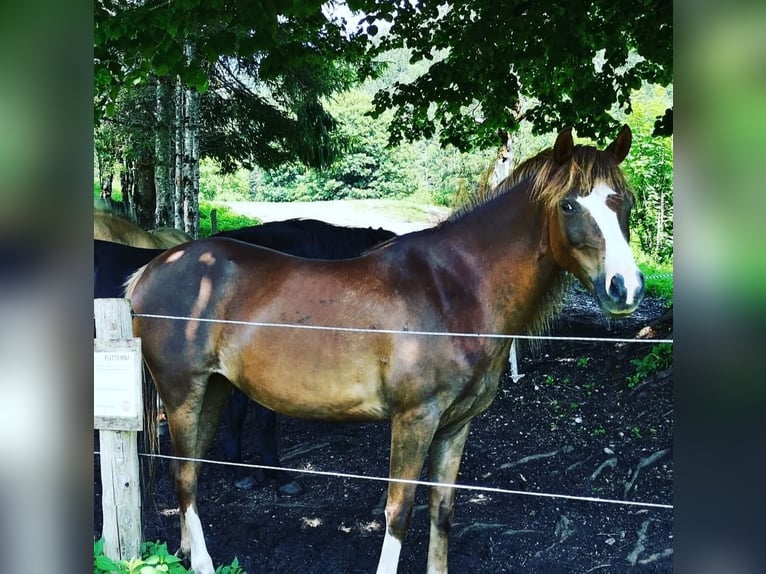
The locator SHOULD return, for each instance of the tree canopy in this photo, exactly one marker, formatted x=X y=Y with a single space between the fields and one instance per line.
x=262 y=67
x=553 y=63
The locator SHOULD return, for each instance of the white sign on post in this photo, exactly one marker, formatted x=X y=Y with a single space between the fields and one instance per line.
x=117 y=400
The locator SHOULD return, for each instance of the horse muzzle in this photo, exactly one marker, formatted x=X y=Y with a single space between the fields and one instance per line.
x=618 y=296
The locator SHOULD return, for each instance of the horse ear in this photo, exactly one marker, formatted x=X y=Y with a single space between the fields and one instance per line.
x=620 y=147
x=562 y=149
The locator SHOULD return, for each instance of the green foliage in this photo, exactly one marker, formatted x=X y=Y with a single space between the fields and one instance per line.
x=102 y=563
x=225 y=218
x=233 y=568
x=562 y=65
x=261 y=68
x=658 y=278
x=155 y=559
x=649 y=169
x=660 y=357
x=371 y=169
x=367 y=170
x=214 y=185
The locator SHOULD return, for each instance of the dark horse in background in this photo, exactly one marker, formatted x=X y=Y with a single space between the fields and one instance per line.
x=405 y=332
x=114 y=263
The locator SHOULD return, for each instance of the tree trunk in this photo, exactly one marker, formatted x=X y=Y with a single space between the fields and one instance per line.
x=145 y=196
x=163 y=174
x=105 y=183
x=190 y=168
x=127 y=179
x=105 y=174
x=178 y=184
x=191 y=163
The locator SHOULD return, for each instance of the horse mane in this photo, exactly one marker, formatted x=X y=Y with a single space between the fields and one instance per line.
x=550 y=181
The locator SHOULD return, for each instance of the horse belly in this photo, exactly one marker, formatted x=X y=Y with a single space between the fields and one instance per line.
x=318 y=375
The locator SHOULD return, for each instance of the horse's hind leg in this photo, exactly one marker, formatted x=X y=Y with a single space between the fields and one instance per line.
x=192 y=425
x=444 y=462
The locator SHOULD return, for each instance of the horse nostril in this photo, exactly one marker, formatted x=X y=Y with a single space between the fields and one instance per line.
x=617 y=288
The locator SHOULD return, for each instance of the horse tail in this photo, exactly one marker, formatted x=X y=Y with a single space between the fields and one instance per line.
x=151 y=440
x=130 y=284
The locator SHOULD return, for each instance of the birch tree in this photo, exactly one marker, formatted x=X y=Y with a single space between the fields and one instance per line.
x=251 y=76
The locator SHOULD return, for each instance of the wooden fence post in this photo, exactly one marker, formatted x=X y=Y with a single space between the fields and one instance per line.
x=213 y=222
x=118 y=414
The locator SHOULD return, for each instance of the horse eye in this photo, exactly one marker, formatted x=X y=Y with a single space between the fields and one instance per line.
x=568 y=206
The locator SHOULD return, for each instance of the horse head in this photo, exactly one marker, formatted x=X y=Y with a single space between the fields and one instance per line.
x=588 y=227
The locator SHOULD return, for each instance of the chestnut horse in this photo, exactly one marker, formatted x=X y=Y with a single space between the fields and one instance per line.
x=418 y=317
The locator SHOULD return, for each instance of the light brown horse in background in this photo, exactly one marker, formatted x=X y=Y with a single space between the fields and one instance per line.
x=170 y=236
x=108 y=225
x=426 y=306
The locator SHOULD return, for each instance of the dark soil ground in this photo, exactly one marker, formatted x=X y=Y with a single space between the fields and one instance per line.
x=571 y=425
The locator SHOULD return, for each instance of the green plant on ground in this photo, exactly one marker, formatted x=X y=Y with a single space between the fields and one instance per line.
x=583 y=361
x=155 y=559
x=660 y=357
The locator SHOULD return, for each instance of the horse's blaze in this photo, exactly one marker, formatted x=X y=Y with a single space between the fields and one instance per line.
x=619 y=265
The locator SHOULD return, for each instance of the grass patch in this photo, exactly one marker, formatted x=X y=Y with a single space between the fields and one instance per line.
x=658 y=277
x=225 y=218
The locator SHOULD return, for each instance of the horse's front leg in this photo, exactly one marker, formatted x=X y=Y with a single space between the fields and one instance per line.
x=444 y=463
x=411 y=436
